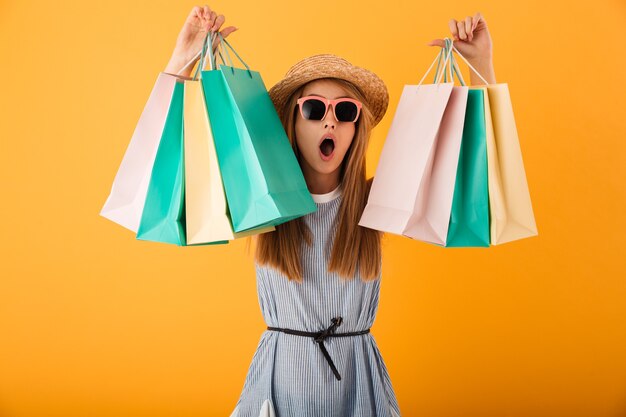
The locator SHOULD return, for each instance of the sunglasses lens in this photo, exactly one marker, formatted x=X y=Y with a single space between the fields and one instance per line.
x=346 y=111
x=313 y=109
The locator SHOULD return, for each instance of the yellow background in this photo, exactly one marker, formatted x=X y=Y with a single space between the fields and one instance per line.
x=95 y=323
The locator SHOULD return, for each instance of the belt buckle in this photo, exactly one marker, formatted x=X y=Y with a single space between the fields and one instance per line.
x=336 y=322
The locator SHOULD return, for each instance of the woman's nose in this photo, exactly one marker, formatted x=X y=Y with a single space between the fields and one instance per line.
x=330 y=120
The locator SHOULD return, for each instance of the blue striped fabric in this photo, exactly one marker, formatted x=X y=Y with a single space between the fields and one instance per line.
x=289 y=376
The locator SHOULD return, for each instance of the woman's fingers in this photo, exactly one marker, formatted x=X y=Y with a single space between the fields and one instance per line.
x=465 y=30
x=461 y=29
x=219 y=21
x=436 y=42
x=195 y=12
x=205 y=13
x=210 y=19
x=468 y=27
x=453 y=28
x=477 y=19
x=227 y=31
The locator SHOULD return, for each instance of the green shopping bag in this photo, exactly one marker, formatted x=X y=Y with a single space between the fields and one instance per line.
x=163 y=216
x=263 y=182
x=469 y=220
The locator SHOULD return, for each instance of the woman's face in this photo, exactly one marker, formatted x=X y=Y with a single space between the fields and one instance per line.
x=315 y=156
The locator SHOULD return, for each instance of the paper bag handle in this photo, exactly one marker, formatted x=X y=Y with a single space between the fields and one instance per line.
x=470 y=65
x=452 y=67
x=223 y=44
x=438 y=58
x=448 y=52
x=204 y=56
x=200 y=54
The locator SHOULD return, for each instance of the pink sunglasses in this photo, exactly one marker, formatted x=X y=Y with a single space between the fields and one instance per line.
x=316 y=107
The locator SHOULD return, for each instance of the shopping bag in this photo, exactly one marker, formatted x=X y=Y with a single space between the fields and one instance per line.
x=469 y=222
x=411 y=194
x=124 y=204
x=207 y=215
x=163 y=216
x=469 y=219
x=431 y=217
x=262 y=179
x=511 y=212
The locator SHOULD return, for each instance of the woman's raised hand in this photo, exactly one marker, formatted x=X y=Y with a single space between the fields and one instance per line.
x=472 y=39
x=191 y=37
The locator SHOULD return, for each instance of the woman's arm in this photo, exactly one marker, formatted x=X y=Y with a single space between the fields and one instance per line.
x=484 y=68
x=191 y=37
x=472 y=39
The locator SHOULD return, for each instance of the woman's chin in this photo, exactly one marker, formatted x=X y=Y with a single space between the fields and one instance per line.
x=326 y=167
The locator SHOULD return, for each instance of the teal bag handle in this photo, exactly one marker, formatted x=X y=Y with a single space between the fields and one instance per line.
x=223 y=44
x=446 y=69
x=448 y=53
x=202 y=58
x=457 y=71
x=201 y=53
x=455 y=67
x=208 y=40
x=447 y=50
x=450 y=67
x=233 y=49
x=231 y=63
x=444 y=51
x=214 y=63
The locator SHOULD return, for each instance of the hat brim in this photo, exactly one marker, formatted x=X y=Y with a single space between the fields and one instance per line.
x=331 y=66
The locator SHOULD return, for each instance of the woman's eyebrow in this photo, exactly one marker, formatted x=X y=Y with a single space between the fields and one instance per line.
x=319 y=95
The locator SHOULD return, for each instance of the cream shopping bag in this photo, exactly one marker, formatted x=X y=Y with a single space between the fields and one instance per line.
x=511 y=212
x=207 y=215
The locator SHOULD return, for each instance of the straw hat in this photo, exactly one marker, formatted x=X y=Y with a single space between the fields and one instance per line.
x=333 y=66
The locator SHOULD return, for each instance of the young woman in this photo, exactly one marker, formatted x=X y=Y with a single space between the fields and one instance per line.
x=318 y=276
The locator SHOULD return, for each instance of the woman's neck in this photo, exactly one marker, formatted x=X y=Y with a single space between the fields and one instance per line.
x=322 y=188
x=319 y=183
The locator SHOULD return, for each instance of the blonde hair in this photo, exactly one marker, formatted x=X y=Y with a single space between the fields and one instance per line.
x=354 y=246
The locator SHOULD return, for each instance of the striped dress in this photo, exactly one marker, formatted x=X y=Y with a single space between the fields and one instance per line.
x=289 y=376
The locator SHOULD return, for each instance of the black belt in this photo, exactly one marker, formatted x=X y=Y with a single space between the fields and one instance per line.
x=319 y=337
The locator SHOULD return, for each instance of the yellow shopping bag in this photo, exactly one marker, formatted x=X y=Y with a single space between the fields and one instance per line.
x=207 y=215
x=511 y=212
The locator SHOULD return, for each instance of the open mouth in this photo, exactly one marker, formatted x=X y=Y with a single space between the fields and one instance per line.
x=327 y=147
